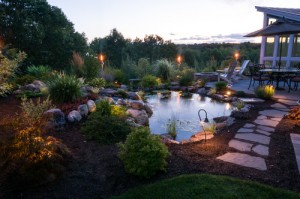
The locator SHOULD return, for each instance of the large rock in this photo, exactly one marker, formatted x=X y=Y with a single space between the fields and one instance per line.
x=39 y=84
x=201 y=136
x=31 y=87
x=134 y=96
x=91 y=106
x=148 y=109
x=108 y=92
x=83 y=110
x=140 y=116
x=135 y=104
x=121 y=102
x=74 y=116
x=55 y=117
x=202 y=91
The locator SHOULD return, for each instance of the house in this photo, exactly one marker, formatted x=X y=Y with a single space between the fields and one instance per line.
x=269 y=52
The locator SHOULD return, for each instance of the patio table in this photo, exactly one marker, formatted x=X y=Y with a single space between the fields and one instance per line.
x=279 y=72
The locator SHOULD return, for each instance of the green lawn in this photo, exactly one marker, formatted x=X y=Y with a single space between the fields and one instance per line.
x=207 y=187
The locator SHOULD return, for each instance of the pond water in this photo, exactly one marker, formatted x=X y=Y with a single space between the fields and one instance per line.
x=184 y=111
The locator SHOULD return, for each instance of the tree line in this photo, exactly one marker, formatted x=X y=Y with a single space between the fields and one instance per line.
x=49 y=38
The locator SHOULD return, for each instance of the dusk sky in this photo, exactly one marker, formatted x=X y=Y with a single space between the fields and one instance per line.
x=190 y=21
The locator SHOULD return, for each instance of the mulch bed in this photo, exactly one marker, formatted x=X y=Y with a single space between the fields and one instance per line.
x=96 y=172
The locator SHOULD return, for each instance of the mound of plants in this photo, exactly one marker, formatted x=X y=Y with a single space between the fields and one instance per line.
x=39 y=72
x=143 y=154
x=149 y=81
x=265 y=92
x=221 y=86
x=97 y=82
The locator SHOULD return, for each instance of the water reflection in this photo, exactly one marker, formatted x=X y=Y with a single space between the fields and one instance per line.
x=184 y=110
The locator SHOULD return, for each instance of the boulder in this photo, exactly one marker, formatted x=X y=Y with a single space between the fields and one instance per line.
x=148 y=109
x=135 y=104
x=108 y=92
x=140 y=116
x=123 y=87
x=55 y=117
x=121 y=102
x=39 y=84
x=31 y=87
x=202 y=91
x=133 y=96
x=201 y=136
x=132 y=123
x=91 y=106
x=83 y=110
x=74 y=116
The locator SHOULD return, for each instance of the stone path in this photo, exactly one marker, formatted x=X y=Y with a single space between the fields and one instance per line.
x=253 y=139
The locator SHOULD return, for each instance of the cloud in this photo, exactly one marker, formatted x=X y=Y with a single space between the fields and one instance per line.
x=231 y=38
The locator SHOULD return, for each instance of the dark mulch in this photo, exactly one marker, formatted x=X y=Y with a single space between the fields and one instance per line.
x=96 y=172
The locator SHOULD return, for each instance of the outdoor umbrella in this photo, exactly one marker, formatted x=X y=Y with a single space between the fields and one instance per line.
x=280 y=27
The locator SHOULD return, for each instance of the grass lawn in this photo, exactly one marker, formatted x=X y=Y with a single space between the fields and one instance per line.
x=207 y=186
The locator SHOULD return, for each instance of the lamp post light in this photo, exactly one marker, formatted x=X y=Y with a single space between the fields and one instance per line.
x=179 y=60
x=101 y=58
x=236 y=55
x=205 y=121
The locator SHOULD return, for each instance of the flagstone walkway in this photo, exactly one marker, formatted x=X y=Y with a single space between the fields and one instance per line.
x=255 y=138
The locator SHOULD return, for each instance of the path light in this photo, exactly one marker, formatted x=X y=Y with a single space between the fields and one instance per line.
x=179 y=60
x=205 y=121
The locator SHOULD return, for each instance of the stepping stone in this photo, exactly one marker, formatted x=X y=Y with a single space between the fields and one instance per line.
x=288 y=102
x=245 y=130
x=244 y=160
x=296 y=145
x=279 y=106
x=273 y=113
x=266 y=128
x=262 y=139
x=248 y=125
x=262 y=132
x=247 y=100
x=261 y=150
x=267 y=122
x=241 y=146
x=261 y=117
x=276 y=119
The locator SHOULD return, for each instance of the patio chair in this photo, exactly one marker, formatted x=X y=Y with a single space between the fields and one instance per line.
x=256 y=75
x=295 y=79
x=227 y=76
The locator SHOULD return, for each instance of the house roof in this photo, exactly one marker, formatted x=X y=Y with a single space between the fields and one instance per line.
x=288 y=13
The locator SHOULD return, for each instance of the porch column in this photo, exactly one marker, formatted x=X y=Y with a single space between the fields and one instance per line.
x=275 y=51
x=263 y=41
x=290 y=51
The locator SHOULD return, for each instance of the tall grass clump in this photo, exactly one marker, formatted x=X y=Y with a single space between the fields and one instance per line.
x=143 y=154
x=64 y=88
x=265 y=92
x=221 y=86
x=171 y=128
x=149 y=81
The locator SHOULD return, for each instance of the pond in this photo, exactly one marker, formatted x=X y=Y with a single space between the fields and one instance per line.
x=185 y=111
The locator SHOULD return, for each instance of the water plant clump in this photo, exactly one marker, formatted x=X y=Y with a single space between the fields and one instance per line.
x=171 y=128
x=265 y=92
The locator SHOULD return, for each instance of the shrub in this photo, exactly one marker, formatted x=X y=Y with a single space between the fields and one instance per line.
x=7 y=72
x=240 y=105
x=118 y=111
x=143 y=154
x=265 y=92
x=64 y=88
x=163 y=68
x=118 y=76
x=37 y=157
x=105 y=129
x=149 y=81
x=221 y=86
x=39 y=72
x=202 y=82
x=187 y=77
x=97 y=82
x=103 y=108
x=213 y=91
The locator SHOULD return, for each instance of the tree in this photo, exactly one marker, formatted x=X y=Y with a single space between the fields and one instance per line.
x=41 y=30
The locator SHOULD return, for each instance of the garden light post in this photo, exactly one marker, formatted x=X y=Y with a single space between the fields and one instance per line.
x=101 y=58
x=179 y=59
x=205 y=121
